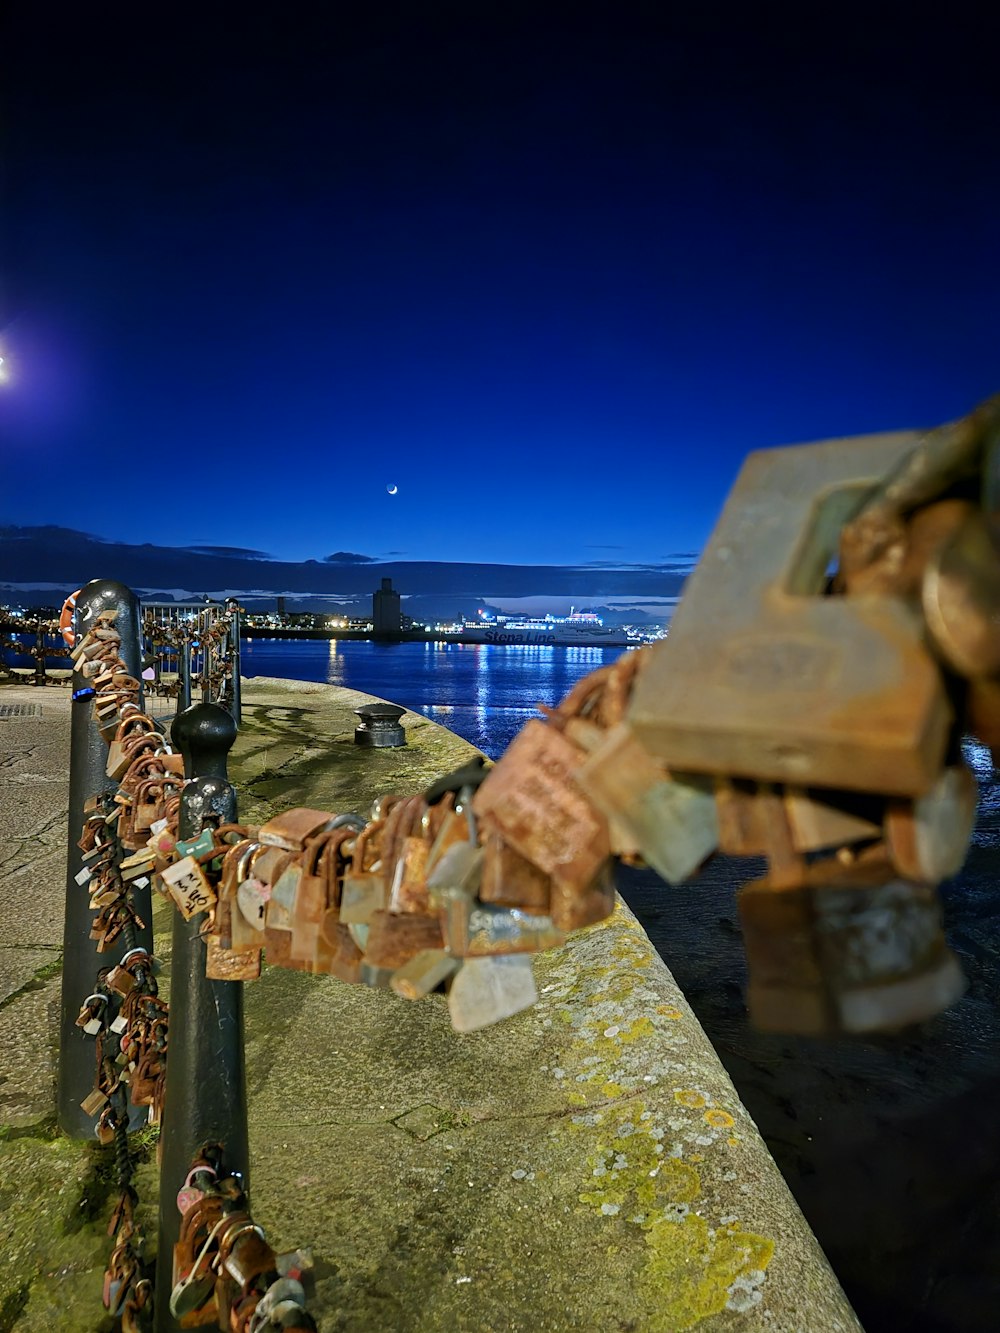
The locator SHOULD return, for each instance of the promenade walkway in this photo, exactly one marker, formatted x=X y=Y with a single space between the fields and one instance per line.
x=585 y=1165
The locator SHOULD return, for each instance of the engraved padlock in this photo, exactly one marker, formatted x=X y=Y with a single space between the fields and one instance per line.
x=531 y=798
x=762 y=675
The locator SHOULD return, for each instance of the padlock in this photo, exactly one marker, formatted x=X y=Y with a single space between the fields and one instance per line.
x=573 y=905
x=311 y=901
x=927 y=839
x=342 y=958
x=848 y=949
x=393 y=939
x=486 y=990
x=671 y=819
x=960 y=596
x=292 y=829
x=362 y=894
x=280 y=906
x=133 y=725
x=510 y=880
x=189 y=1194
x=764 y=677
x=531 y=798
x=192 y=1297
x=408 y=886
x=320 y=898
x=228 y=964
x=487 y=929
x=452 y=827
x=423 y=973
x=907 y=543
x=243 y=1250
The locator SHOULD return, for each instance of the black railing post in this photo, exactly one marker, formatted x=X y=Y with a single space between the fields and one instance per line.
x=39 y=652
x=205 y=1098
x=183 y=669
x=87 y=777
x=236 y=694
x=204 y=625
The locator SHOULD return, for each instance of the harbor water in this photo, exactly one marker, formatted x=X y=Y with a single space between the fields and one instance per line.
x=482 y=691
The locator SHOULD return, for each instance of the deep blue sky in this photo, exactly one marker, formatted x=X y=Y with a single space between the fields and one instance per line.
x=551 y=276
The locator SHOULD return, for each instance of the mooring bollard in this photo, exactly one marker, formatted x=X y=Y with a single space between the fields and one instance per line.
x=88 y=777
x=205 y=1098
x=379 y=727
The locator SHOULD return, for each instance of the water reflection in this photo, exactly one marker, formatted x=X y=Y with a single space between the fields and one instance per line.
x=335 y=669
x=484 y=692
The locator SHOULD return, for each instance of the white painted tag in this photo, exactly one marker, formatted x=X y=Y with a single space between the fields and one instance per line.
x=141 y=882
x=157 y=826
x=187 y=885
x=84 y=875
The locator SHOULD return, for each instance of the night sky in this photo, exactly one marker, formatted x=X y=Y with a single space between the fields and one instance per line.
x=549 y=272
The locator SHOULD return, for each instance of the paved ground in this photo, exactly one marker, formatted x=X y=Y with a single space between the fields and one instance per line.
x=585 y=1165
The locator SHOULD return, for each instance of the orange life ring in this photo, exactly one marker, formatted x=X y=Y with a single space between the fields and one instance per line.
x=66 y=618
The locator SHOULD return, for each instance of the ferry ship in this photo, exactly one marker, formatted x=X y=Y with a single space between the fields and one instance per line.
x=580 y=629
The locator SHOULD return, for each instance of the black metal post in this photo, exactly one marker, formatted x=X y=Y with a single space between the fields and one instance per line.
x=183 y=670
x=39 y=653
x=87 y=776
x=205 y=624
x=236 y=696
x=205 y=1099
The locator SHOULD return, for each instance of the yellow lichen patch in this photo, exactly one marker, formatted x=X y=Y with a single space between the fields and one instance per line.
x=613 y=1090
x=719 y=1119
x=669 y=1011
x=630 y=1175
x=691 y=1270
x=638 y=1028
x=691 y=1098
x=733 y=1140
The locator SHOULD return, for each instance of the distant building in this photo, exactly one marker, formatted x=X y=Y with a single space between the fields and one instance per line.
x=386 y=616
x=281 y=606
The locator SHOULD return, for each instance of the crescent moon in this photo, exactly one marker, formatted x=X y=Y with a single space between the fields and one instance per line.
x=392 y=489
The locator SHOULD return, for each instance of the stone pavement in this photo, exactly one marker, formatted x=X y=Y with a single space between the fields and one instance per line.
x=584 y=1165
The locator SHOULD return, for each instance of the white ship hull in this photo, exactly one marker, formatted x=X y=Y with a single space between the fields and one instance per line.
x=557 y=637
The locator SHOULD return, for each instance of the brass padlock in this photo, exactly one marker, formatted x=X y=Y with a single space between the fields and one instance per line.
x=762 y=675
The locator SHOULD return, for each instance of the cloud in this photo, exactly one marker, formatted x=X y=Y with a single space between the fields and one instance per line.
x=349 y=558
x=239 y=552
x=603 y=546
